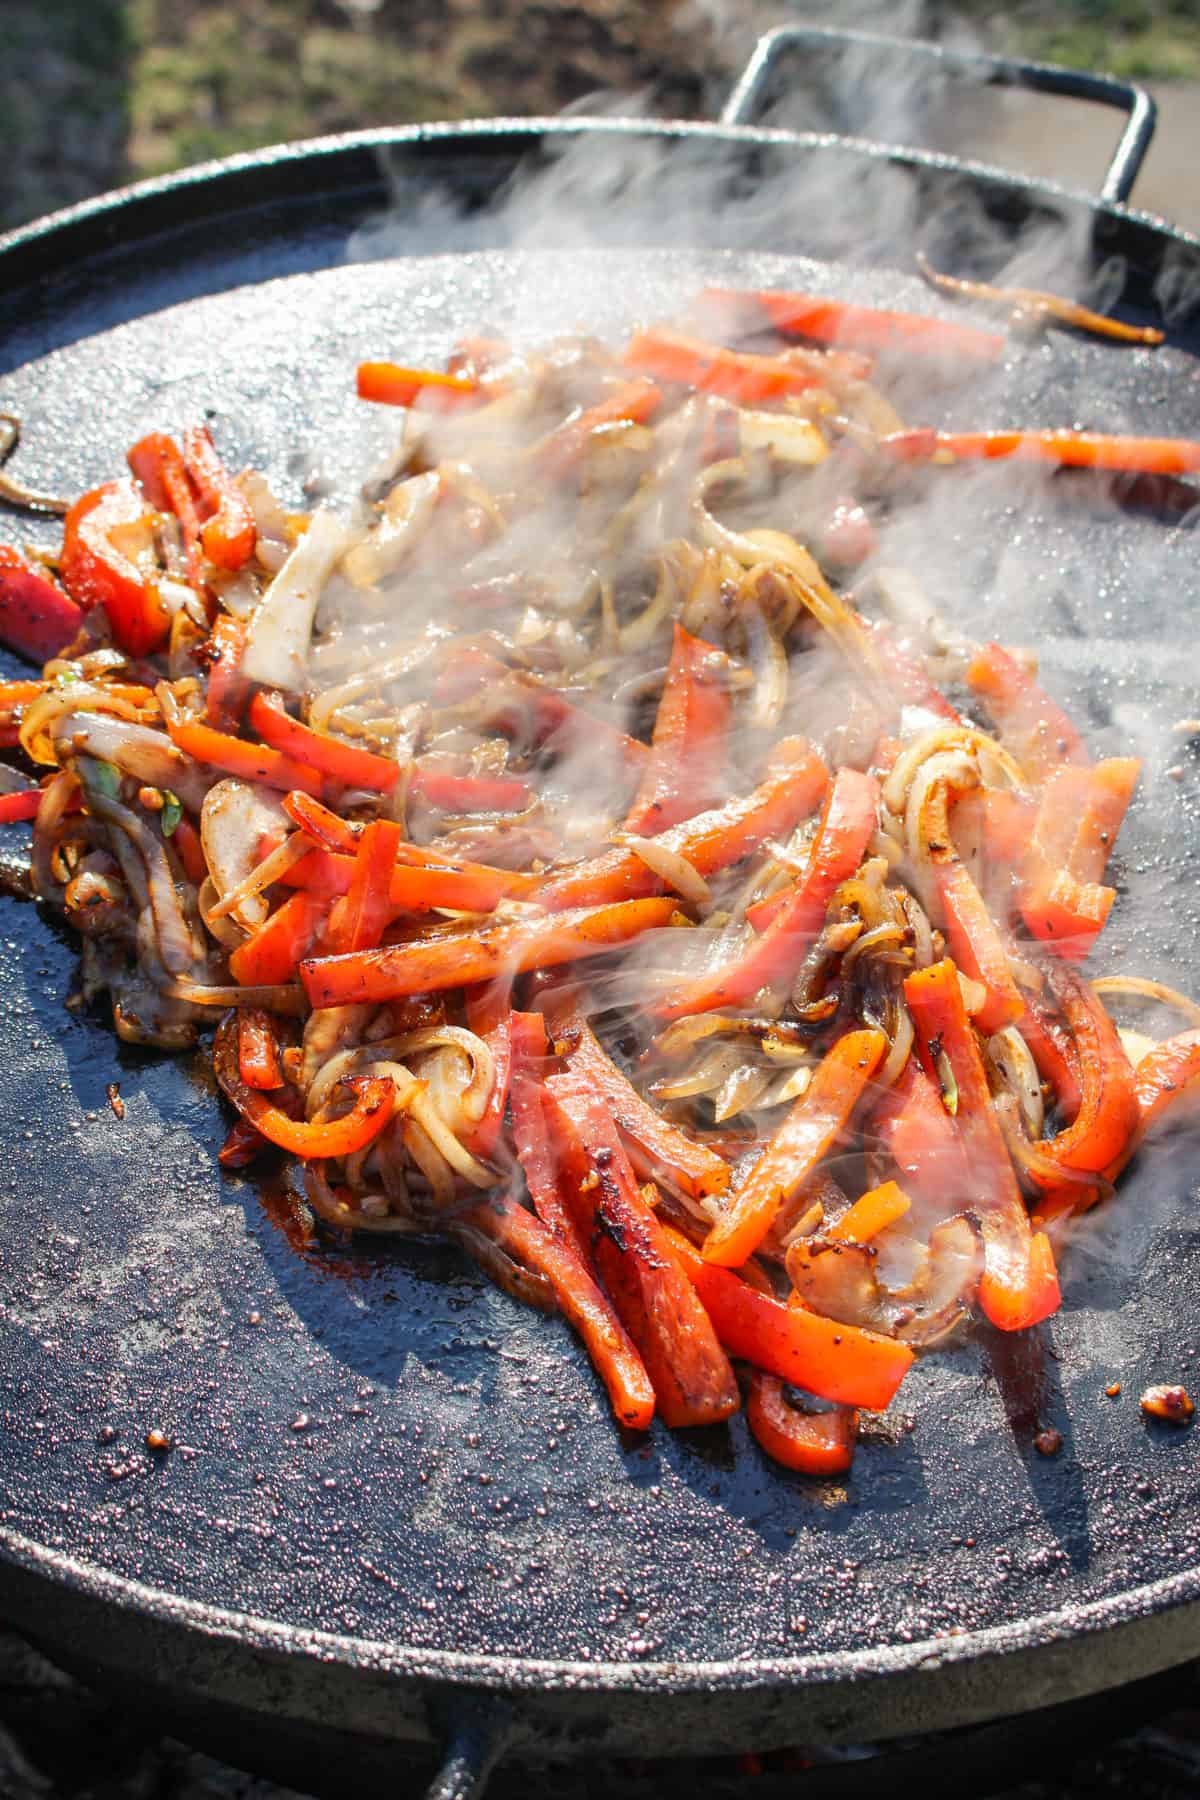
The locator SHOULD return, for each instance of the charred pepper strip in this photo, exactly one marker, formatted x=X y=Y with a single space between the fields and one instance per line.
x=689 y=1372
x=432 y=965
x=341 y=836
x=373 y=1107
x=586 y=1309
x=258 y=1050
x=1060 y=449
x=684 y=772
x=228 y=689
x=95 y=572
x=271 y=955
x=37 y=619
x=712 y=369
x=868 y=328
x=838 y=1362
x=344 y=762
x=158 y=466
x=1019 y=1287
x=810 y=1130
x=812 y=1443
x=359 y=920
x=1108 y=1115
x=1034 y=302
x=253 y=762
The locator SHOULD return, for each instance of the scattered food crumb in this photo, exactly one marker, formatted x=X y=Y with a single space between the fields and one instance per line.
x=157 y=1440
x=1113 y=1389
x=1175 y=772
x=1048 y=1443
x=1166 y=1402
x=1187 y=727
x=115 y=1100
x=255 y=1318
x=301 y=1422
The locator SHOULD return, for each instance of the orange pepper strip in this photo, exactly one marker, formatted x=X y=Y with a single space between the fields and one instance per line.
x=565 y=446
x=373 y=1107
x=360 y=918
x=1032 y=725
x=157 y=463
x=413 y=889
x=431 y=965
x=525 y=708
x=253 y=762
x=1109 y=1114
x=390 y=385
x=341 y=835
x=683 y=774
x=661 y=1150
x=712 y=369
x=850 y=815
x=489 y=1016
x=810 y=1130
x=1064 y=449
x=811 y=1443
x=712 y=841
x=531 y=1242
x=837 y=1362
x=345 y=762
x=230 y=535
x=1018 y=1287
x=258 y=1051
x=271 y=955
x=863 y=327
x=658 y=1306
x=871 y=1213
x=228 y=689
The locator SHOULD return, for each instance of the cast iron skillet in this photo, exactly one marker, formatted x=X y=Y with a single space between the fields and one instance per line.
x=397 y=1505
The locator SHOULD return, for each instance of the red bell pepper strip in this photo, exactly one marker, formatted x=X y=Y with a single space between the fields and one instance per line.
x=453 y=793
x=372 y=1112
x=418 y=889
x=253 y=762
x=359 y=920
x=97 y=567
x=258 y=1051
x=866 y=328
x=489 y=1016
x=710 y=842
x=390 y=385
x=21 y=805
x=685 y=770
x=711 y=369
x=976 y=944
x=431 y=965
x=344 y=762
x=1032 y=725
x=915 y=1130
x=230 y=534
x=843 y=834
x=1018 y=1287
x=658 y=1306
x=242 y=1146
x=186 y=841
x=1065 y=914
x=661 y=1150
x=228 y=689
x=811 y=1443
x=531 y=1132
x=1053 y=1050
x=341 y=835
x=37 y=619
x=158 y=466
x=526 y=709
x=1108 y=1115
x=1077 y=824
x=531 y=1242
x=1167 y=1076
x=634 y=401
x=1000 y=822
x=810 y=1130
x=271 y=955
x=837 y=1362
x=1062 y=449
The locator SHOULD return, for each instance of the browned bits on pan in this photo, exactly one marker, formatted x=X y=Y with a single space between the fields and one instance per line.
x=115 y=1100
x=1048 y=1443
x=158 y=1441
x=1174 y=1404
x=1113 y=1389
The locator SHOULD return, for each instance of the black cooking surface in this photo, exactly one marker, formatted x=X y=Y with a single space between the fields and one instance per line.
x=374 y=1444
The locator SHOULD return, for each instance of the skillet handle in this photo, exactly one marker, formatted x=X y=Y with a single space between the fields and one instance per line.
x=476 y=1732
x=745 y=103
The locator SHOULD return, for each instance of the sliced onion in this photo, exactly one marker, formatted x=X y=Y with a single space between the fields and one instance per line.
x=1139 y=988
x=740 y=1091
x=149 y=756
x=277 y=641
x=405 y=516
x=790 y=1087
x=787 y=437
x=235 y=817
x=964 y=739
x=1011 y=1059
x=669 y=866
x=269 y=870
x=286 y=997
x=712 y=1069
x=414 y=1099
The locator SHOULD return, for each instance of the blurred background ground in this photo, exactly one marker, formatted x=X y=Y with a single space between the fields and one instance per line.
x=94 y=93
